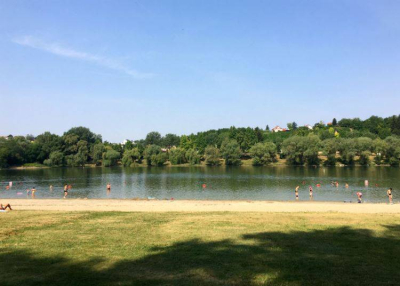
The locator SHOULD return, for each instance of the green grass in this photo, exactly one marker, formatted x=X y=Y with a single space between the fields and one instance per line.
x=34 y=165
x=111 y=248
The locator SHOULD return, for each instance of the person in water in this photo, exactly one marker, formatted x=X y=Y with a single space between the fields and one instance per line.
x=33 y=192
x=108 y=187
x=65 y=191
x=359 y=197
x=390 y=195
x=311 y=194
x=296 y=192
x=3 y=208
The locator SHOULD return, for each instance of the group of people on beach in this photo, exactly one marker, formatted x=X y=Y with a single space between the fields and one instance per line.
x=359 y=194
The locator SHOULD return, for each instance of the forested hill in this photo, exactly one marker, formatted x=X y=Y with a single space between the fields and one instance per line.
x=346 y=141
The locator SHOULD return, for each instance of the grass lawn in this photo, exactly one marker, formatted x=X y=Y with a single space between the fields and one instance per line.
x=92 y=248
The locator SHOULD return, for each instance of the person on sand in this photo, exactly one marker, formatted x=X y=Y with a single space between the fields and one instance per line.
x=311 y=194
x=65 y=191
x=389 y=194
x=359 y=197
x=296 y=192
x=3 y=208
x=33 y=192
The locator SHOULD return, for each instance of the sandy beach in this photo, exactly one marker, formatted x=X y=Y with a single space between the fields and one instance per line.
x=196 y=206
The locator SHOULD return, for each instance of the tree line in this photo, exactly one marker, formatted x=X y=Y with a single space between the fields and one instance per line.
x=348 y=141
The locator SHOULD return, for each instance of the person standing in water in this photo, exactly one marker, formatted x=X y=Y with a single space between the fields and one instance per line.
x=108 y=188
x=311 y=194
x=33 y=192
x=389 y=194
x=65 y=191
x=296 y=192
x=359 y=197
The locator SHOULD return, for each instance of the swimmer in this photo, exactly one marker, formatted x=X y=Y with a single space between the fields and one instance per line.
x=51 y=188
x=108 y=187
x=346 y=186
x=33 y=192
x=390 y=195
x=296 y=192
x=311 y=193
x=65 y=191
x=359 y=197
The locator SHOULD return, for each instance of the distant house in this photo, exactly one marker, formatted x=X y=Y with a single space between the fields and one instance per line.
x=277 y=129
x=308 y=126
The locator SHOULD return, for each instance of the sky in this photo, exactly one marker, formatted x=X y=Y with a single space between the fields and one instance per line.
x=126 y=68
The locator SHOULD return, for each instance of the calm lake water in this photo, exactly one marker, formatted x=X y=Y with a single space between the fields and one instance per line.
x=223 y=183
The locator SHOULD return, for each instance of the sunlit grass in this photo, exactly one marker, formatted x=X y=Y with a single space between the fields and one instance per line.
x=198 y=248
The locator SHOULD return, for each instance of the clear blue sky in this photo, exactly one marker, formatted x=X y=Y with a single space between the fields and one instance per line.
x=125 y=68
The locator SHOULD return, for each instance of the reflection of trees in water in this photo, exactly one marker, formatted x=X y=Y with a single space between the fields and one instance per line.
x=321 y=257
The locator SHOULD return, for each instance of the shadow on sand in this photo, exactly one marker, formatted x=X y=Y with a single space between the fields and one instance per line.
x=338 y=256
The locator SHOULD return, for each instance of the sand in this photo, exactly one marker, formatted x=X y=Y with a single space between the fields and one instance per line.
x=127 y=205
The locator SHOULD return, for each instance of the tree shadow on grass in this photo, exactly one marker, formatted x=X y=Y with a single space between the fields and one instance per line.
x=337 y=256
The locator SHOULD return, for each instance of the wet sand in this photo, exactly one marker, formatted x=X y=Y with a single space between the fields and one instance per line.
x=196 y=206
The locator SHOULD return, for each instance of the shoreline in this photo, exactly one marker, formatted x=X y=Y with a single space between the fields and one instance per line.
x=135 y=205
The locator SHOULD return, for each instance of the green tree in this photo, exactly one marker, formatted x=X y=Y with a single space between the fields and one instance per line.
x=231 y=152
x=393 y=150
x=170 y=140
x=177 y=156
x=263 y=153
x=110 y=157
x=364 y=146
x=193 y=156
x=212 y=156
x=312 y=144
x=153 y=138
x=348 y=149
x=84 y=134
x=334 y=122
x=56 y=159
x=97 y=153
x=154 y=156
x=380 y=148
x=130 y=157
x=48 y=143
x=330 y=146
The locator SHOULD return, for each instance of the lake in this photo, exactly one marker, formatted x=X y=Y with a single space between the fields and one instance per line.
x=222 y=183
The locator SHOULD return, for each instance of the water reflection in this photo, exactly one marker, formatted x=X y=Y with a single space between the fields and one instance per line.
x=223 y=183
